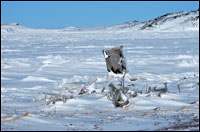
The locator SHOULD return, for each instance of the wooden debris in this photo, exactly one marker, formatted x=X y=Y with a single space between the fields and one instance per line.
x=148 y=89
x=83 y=91
x=195 y=102
x=179 y=89
x=14 y=117
x=162 y=90
x=133 y=79
x=125 y=90
x=132 y=95
x=156 y=109
x=165 y=89
x=103 y=89
x=93 y=92
x=56 y=98
x=117 y=96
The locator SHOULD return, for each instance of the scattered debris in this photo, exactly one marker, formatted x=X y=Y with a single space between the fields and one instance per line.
x=83 y=91
x=14 y=117
x=142 y=78
x=131 y=85
x=156 y=109
x=133 y=79
x=125 y=90
x=179 y=88
x=56 y=98
x=148 y=89
x=117 y=96
x=103 y=89
x=162 y=90
x=93 y=92
x=195 y=102
x=132 y=95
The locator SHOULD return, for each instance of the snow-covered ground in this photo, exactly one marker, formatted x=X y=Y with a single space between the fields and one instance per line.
x=39 y=64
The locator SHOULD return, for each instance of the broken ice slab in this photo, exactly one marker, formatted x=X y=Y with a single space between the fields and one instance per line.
x=115 y=61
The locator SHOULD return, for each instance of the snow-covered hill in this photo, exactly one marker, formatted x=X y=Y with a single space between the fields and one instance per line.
x=174 y=21
x=168 y=22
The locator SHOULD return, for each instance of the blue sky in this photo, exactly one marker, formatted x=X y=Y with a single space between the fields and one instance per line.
x=59 y=14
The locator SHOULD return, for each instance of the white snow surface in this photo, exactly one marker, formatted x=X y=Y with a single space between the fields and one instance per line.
x=39 y=63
